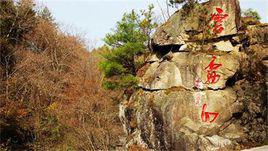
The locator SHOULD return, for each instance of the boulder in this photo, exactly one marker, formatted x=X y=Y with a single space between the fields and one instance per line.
x=201 y=95
x=162 y=116
x=189 y=70
x=162 y=76
x=184 y=47
x=222 y=17
x=224 y=46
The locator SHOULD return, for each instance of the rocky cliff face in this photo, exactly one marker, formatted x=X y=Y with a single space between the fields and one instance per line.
x=202 y=88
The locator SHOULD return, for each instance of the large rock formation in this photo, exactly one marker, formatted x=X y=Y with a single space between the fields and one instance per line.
x=184 y=23
x=204 y=93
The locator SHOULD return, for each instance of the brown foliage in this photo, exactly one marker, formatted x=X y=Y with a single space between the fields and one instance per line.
x=50 y=91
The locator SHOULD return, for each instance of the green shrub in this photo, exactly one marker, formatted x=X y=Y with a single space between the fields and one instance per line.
x=128 y=41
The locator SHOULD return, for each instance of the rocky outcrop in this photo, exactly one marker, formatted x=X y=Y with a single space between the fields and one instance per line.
x=185 y=23
x=201 y=96
x=187 y=70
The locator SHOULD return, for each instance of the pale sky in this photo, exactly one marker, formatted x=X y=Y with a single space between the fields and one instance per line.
x=95 y=18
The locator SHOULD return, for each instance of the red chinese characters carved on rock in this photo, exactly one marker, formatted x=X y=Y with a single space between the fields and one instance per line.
x=206 y=116
x=218 y=19
x=212 y=76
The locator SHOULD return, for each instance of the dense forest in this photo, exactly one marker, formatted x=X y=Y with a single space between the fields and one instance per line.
x=55 y=93
x=50 y=86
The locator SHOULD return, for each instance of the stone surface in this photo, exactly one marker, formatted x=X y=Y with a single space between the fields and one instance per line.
x=164 y=76
x=179 y=111
x=171 y=119
x=175 y=30
x=224 y=46
x=185 y=68
x=183 y=47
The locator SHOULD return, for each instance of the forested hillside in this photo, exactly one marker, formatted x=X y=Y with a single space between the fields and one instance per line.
x=50 y=86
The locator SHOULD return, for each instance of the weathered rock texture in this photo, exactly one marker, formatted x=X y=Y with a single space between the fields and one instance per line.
x=211 y=97
x=184 y=68
x=184 y=23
